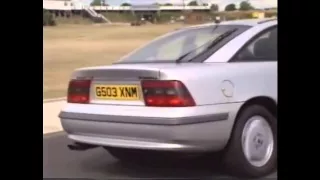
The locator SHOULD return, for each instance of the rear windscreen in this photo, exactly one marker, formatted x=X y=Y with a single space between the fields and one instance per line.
x=185 y=43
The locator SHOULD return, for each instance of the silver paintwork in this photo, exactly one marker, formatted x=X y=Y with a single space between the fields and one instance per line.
x=146 y=120
x=203 y=80
x=202 y=136
x=246 y=22
x=257 y=141
x=132 y=143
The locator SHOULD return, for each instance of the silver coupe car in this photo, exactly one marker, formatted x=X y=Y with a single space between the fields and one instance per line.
x=196 y=90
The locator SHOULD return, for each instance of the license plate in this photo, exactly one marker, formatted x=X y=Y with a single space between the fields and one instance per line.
x=117 y=92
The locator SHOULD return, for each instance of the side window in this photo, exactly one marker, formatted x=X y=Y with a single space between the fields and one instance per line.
x=262 y=48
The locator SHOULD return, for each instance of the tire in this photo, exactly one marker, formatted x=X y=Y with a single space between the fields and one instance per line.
x=235 y=160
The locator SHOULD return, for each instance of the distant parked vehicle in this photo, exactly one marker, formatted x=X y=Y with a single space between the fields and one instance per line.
x=200 y=89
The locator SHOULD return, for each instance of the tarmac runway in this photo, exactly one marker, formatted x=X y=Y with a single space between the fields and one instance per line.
x=97 y=163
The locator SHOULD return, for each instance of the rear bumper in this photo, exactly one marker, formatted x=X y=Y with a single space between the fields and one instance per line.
x=146 y=120
x=196 y=133
x=134 y=143
x=193 y=137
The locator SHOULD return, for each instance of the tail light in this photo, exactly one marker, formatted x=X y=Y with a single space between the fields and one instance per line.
x=166 y=94
x=79 y=91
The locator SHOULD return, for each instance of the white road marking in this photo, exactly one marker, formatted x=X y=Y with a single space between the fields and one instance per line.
x=51 y=122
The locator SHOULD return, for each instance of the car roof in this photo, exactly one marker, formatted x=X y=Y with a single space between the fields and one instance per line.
x=244 y=22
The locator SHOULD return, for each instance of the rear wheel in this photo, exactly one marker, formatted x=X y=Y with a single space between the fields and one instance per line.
x=252 y=150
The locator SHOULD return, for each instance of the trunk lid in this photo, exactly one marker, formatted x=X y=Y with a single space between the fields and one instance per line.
x=120 y=84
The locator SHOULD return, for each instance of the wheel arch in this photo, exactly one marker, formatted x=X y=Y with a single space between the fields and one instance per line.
x=264 y=101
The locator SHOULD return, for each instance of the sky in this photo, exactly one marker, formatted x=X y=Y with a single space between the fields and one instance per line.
x=221 y=3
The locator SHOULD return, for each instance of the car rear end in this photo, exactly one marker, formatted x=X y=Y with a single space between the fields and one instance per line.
x=159 y=97
x=141 y=107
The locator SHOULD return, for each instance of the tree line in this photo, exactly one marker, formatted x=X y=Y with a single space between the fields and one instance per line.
x=244 y=5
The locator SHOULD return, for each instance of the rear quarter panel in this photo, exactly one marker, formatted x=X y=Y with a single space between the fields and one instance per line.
x=248 y=79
